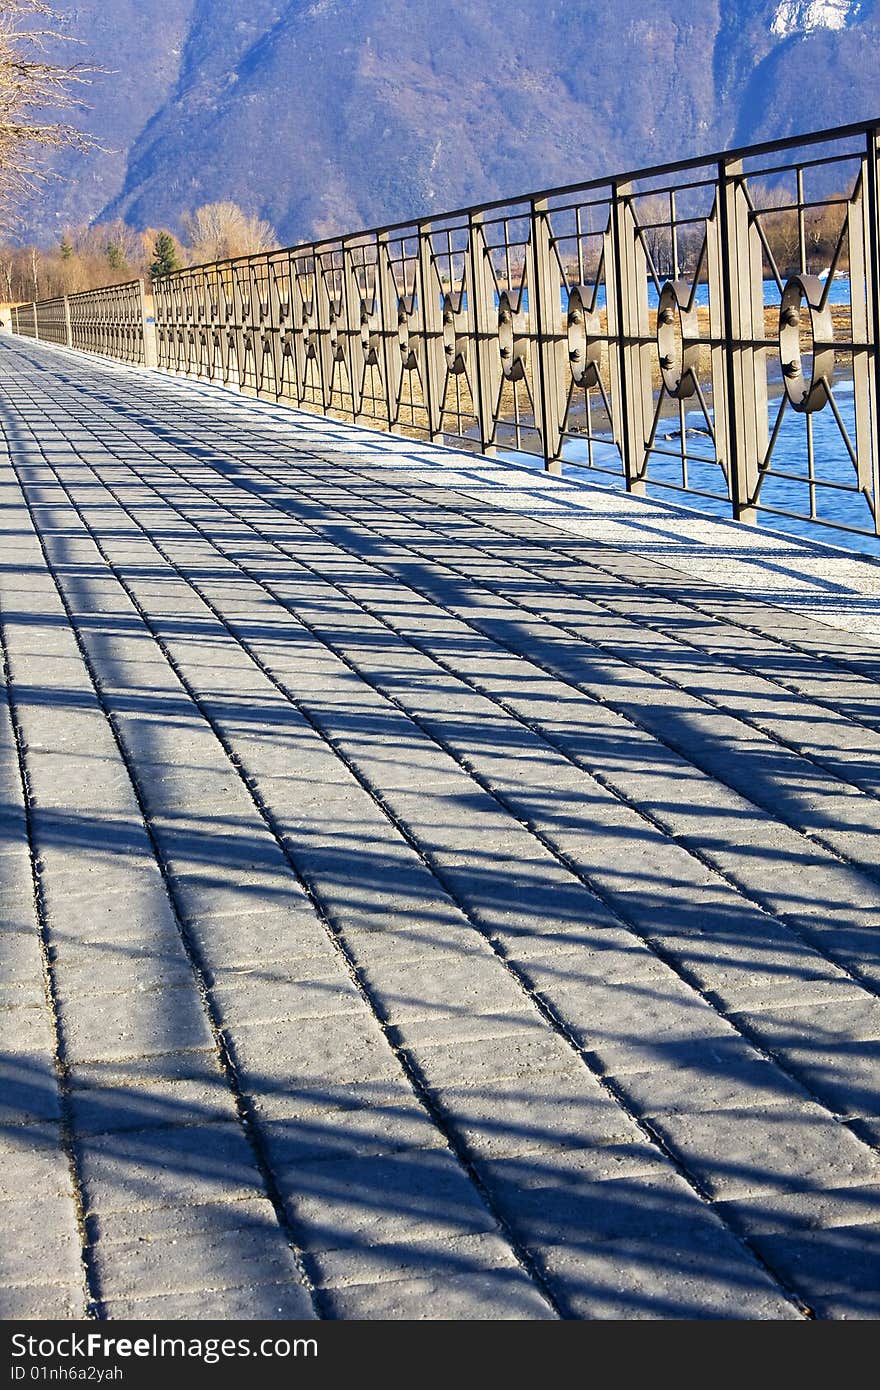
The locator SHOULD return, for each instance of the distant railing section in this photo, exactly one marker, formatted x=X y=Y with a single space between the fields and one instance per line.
x=24 y=320
x=117 y=321
x=708 y=327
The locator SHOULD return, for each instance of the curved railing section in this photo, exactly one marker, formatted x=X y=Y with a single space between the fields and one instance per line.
x=707 y=327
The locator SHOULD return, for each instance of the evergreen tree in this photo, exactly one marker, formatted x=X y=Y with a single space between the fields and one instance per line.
x=65 y=249
x=115 y=256
x=165 y=253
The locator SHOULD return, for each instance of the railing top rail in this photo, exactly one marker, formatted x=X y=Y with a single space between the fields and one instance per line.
x=718 y=157
x=110 y=291
x=107 y=289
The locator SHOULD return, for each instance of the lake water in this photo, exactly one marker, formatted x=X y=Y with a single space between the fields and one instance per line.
x=839 y=294
x=837 y=509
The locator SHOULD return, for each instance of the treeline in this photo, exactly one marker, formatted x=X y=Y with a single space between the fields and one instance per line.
x=107 y=253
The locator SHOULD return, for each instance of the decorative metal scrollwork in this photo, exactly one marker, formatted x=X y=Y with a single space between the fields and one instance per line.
x=407 y=331
x=584 y=344
x=455 y=343
x=286 y=331
x=513 y=343
x=337 y=350
x=806 y=394
x=370 y=335
x=309 y=329
x=678 y=334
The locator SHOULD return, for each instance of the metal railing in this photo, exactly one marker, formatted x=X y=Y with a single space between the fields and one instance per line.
x=708 y=327
x=116 y=321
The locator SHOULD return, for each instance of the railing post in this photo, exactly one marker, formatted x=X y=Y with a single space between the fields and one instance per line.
x=429 y=294
x=630 y=328
x=355 y=366
x=322 y=303
x=481 y=334
x=148 y=324
x=389 y=297
x=746 y=414
x=36 y=321
x=545 y=289
x=68 y=329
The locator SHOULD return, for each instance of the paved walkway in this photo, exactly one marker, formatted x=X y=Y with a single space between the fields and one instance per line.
x=423 y=896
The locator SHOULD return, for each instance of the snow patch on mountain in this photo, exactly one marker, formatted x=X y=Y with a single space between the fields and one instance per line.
x=805 y=16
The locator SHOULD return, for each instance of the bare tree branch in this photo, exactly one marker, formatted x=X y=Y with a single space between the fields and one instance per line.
x=31 y=86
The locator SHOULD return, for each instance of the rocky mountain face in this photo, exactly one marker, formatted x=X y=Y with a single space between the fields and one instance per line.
x=325 y=115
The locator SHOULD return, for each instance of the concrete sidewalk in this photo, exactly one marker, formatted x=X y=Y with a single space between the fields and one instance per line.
x=430 y=889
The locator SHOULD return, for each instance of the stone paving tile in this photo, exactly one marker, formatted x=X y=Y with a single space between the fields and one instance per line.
x=266 y=994
x=630 y=1279
x=311 y=1050
x=285 y=1302
x=243 y=1256
x=26 y=1028
x=32 y=1159
x=440 y=987
x=158 y=1225
x=835 y=1269
x=480 y=1051
x=739 y=1152
x=352 y=1203
x=496 y=1294
x=390 y=1123
x=813 y=1208
x=362 y=639
x=104 y=968
x=390 y=1263
x=39 y=1302
x=41 y=1242
x=29 y=1092
x=717 y=1074
x=529 y=1117
x=136 y=1023
x=167 y=1166
x=144 y=1093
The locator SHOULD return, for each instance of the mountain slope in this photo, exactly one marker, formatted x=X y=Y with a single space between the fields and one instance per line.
x=331 y=114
